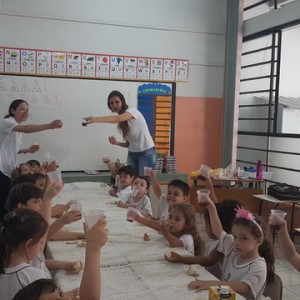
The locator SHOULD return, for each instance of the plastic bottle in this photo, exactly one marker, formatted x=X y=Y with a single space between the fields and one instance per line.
x=259 y=171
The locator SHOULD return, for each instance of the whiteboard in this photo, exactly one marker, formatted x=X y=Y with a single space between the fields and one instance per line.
x=74 y=147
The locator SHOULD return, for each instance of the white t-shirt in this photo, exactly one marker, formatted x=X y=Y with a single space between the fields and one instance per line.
x=215 y=269
x=39 y=263
x=188 y=242
x=16 y=278
x=139 y=137
x=163 y=208
x=10 y=144
x=143 y=204
x=253 y=273
x=124 y=193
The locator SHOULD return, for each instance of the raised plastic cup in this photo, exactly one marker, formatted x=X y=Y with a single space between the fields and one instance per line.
x=55 y=176
x=203 y=196
x=105 y=158
x=47 y=157
x=92 y=216
x=76 y=205
x=134 y=191
x=276 y=219
x=147 y=171
x=130 y=218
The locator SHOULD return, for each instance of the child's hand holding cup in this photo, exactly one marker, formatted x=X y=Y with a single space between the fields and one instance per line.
x=203 y=197
x=276 y=218
x=132 y=213
x=105 y=159
x=76 y=205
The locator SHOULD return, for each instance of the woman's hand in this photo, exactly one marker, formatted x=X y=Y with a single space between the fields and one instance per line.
x=90 y=120
x=33 y=148
x=112 y=140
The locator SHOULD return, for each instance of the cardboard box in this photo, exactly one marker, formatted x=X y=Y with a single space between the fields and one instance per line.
x=216 y=293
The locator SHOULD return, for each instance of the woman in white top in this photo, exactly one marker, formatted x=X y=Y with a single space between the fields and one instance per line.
x=11 y=141
x=133 y=126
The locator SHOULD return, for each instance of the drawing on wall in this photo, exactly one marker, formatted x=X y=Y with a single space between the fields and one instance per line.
x=33 y=91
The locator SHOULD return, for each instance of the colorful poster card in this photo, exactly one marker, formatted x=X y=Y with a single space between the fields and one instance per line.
x=74 y=64
x=28 y=61
x=182 y=70
x=88 y=65
x=44 y=64
x=130 y=67
x=143 y=69
x=12 y=60
x=156 y=69
x=169 y=69
x=59 y=63
x=102 y=66
x=1 y=59
x=116 y=66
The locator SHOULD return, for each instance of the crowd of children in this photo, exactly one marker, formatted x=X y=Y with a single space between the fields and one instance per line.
x=239 y=251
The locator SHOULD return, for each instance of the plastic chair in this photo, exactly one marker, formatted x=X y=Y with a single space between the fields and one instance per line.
x=274 y=289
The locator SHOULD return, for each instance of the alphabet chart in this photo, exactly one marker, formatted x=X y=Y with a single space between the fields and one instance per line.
x=38 y=62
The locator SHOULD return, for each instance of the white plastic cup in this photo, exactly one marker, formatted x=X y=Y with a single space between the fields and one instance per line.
x=117 y=181
x=47 y=157
x=147 y=171
x=105 y=158
x=55 y=176
x=76 y=205
x=202 y=197
x=134 y=191
x=130 y=211
x=92 y=216
x=276 y=219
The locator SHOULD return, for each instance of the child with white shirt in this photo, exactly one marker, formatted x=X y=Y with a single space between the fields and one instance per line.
x=23 y=235
x=138 y=197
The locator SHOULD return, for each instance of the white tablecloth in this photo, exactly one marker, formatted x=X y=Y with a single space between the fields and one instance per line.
x=131 y=268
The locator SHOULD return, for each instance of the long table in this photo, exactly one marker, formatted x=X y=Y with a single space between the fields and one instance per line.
x=131 y=268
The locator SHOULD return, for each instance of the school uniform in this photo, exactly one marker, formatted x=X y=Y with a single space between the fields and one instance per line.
x=188 y=243
x=163 y=207
x=124 y=193
x=253 y=273
x=39 y=263
x=215 y=269
x=15 y=278
x=144 y=204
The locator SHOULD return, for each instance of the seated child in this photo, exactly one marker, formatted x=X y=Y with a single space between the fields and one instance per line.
x=248 y=254
x=34 y=165
x=23 y=169
x=29 y=196
x=126 y=175
x=178 y=192
x=90 y=287
x=212 y=259
x=113 y=168
x=140 y=201
x=180 y=230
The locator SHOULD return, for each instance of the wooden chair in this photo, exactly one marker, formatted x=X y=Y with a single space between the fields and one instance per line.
x=274 y=289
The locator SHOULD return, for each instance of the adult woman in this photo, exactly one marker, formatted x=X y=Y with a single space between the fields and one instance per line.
x=11 y=140
x=136 y=135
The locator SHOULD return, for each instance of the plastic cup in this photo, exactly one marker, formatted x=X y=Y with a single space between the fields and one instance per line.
x=118 y=181
x=130 y=218
x=47 y=157
x=203 y=196
x=76 y=205
x=147 y=171
x=55 y=176
x=134 y=191
x=92 y=216
x=276 y=219
x=105 y=158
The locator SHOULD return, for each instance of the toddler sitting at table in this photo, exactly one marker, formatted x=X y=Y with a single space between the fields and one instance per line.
x=138 y=197
x=125 y=177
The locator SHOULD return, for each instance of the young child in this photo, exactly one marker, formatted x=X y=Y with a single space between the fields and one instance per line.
x=23 y=169
x=126 y=175
x=23 y=235
x=113 y=168
x=180 y=230
x=34 y=165
x=178 y=192
x=90 y=287
x=248 y=254
x=212 y=259
x=140 y=200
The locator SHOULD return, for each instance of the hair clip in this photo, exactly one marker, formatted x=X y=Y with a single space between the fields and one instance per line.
x=244 y=214
x=24 y=218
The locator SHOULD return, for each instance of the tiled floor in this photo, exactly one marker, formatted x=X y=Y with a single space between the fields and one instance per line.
x=289 y=276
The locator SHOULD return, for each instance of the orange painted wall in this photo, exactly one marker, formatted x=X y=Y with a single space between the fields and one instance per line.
x=198 y=132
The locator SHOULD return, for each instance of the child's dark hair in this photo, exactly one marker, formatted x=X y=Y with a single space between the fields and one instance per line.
x=35 y=289
x=18 y=227
x=266 y=249
x=183 y=186
x=146 y=178
x=127 y=170
x=21 y=193
x=22 y=179
x=13 y=106
x=33 y=163
x=190 y=228
x=37 y=176
x=226 y=213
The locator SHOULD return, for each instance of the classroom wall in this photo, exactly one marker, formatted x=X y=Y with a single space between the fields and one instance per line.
x=193 y=30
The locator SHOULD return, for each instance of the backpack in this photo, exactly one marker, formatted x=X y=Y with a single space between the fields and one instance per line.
x=283 y=191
